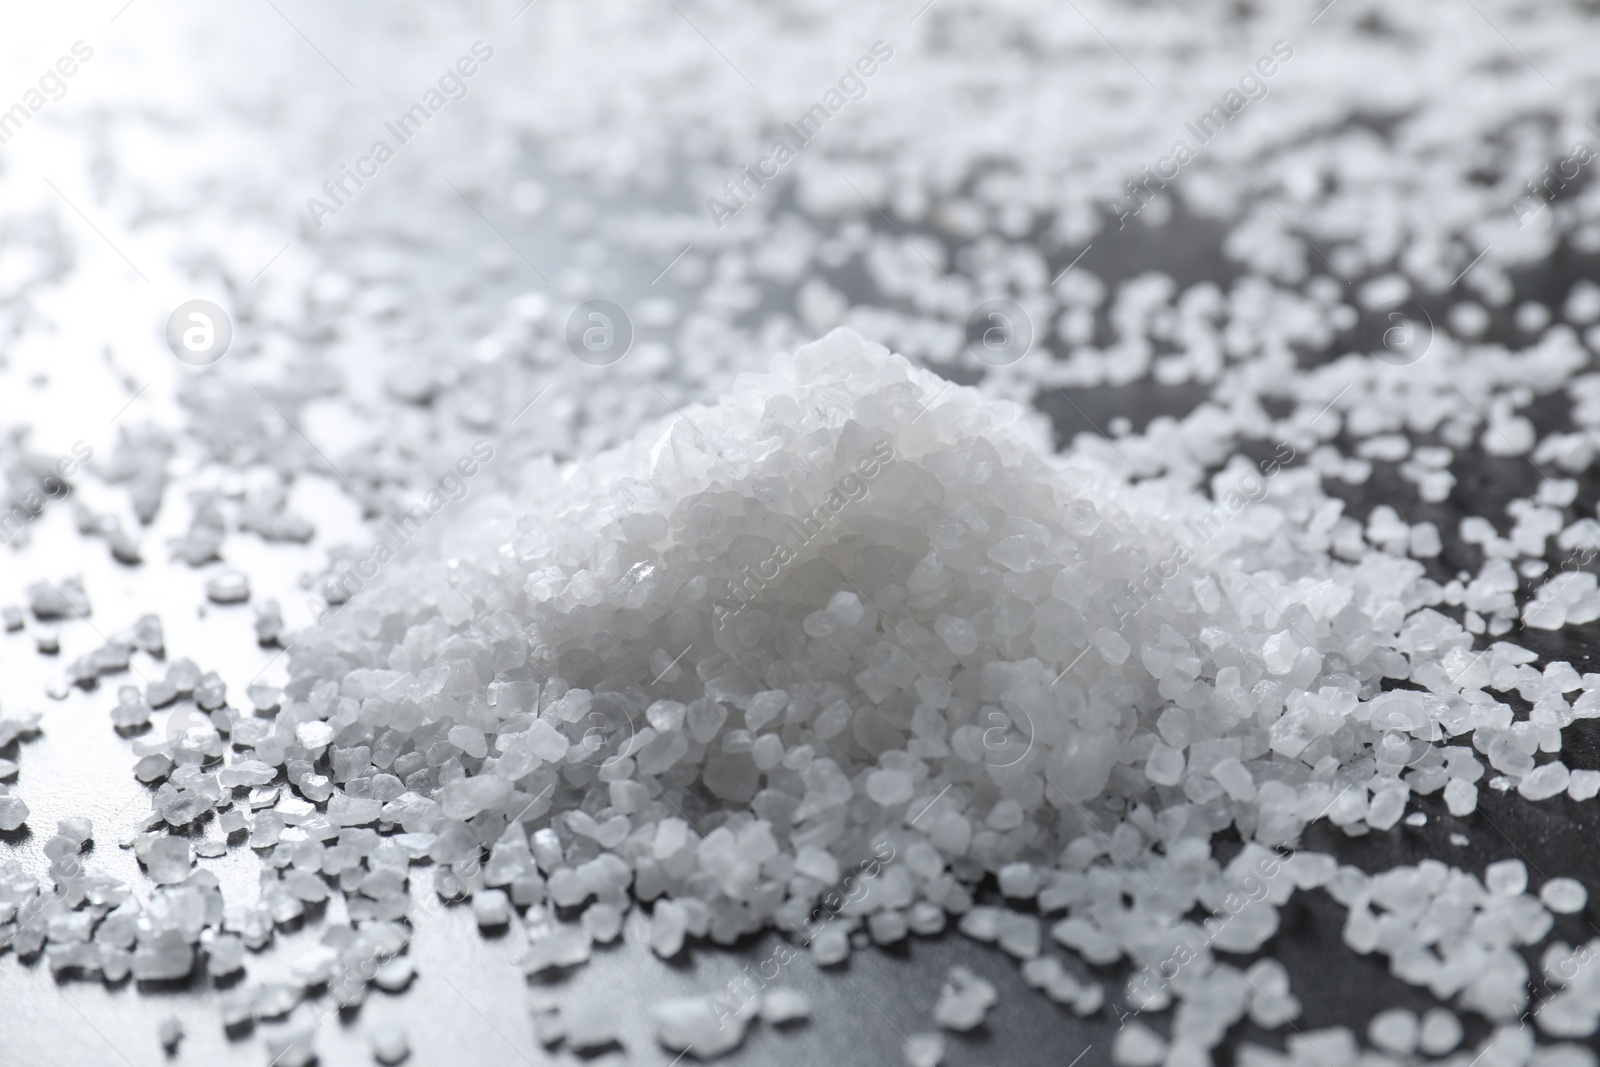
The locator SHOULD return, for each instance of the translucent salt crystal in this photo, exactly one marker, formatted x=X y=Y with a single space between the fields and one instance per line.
x=1583 y=784
x=1019 y=934
x=467 y=797
x=131 y=710
x=168 y=860
x=1165 y=765
x=273 y=1000
x=491 y=907
x=981 y=923
x=56 y=600
x=589 y=1025
x=314 y=966
x=1136 y=1045
x=13 y=813
x=291 y=1044
x=1546 y=781
x=668 y=924
x=210 y=692
x=304 y=885
x=224 y=956
x=924 y=1050
x=699 y=1024
x=1235 y=778
x=170 y=1032
x=830 y=946
x=229 y=587
x=1386 y=808
x=1113 y=647
x=1461 y=797
x=1019 y=881
x=565 y=946
x=1441 y=1031
x=388 y=1042
x=345 y=810
x=1278 y=652
x=314 y=735
x=394 y=975
x=8 y=768
x=925 y=918
x=888 y=926
x=1507 y=878
x=779 y=1006
x=964 y=1001
x=1394 y=1030
x=165 y=955
x=603 y=922
x=265 y=698
x=888 y=788
x=76 y=829
x=1564 y=896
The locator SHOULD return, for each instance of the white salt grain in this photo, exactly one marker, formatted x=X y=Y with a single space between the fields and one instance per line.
x=831 y=946
x=1583 y=784
x=698 y=1024
x=394 y=975
x=229 y=587
x=1564 y=896
x=924 y=1050
x=1460 y=797
x=388 y=1042
x=1441 y=1031
x=964 y=1001
x=491 y=907
x=1395 y=1030
x=780 y=1006
x=1506 y=878
x=1136 y=1045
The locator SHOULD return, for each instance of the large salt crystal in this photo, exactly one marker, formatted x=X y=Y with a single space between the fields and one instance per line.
x=564 y=946
x=964 y=1001
x=13 y=812
x=388 y=1042
x=1545 y=781
x=702 y=1025
x=1564 y=896
x=780 y=1006
x=1441 y=1031
x=1506 y=878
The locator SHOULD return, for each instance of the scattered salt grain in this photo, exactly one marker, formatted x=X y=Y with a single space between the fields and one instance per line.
x=589 y=1025
x=924 y=1050
x=1136 y=1045
x=964 y=1001
x=831 y=946
x=1506 y=878
x=13 y=812
x=388 y=1043
x=394 y=975
x=1564 y=896
x=229 y=587
x=1395 y=1030
x=1583 y=784
x=780 y=1006
x=491 y=907
x=1441 y=1031
x=698 y=1024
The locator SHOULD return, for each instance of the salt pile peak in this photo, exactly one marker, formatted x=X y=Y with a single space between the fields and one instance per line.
x=847 y=564
x=847 y=603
